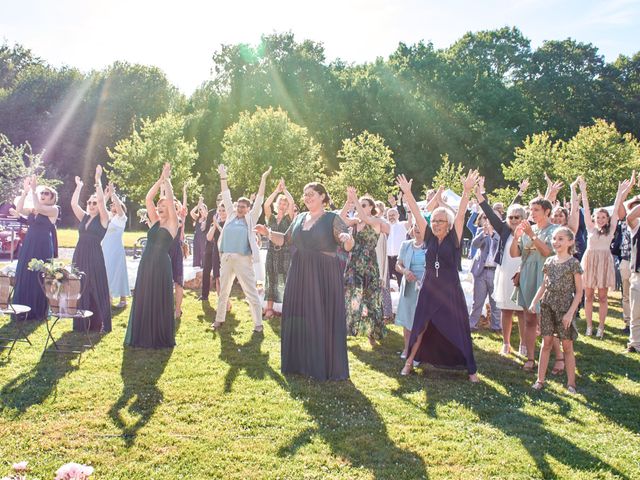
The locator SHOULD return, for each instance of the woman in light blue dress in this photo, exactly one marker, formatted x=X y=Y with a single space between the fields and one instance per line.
x=113 y=249
x=411 y=265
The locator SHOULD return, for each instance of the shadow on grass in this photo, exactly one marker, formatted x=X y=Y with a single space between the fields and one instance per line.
x=141 y=369
x=346 y=420
x=244 y=357
x=37 y=385
x=12 y=329
x=505 y=411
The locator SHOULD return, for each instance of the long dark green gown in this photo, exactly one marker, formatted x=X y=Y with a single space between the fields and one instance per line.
x=151 y=321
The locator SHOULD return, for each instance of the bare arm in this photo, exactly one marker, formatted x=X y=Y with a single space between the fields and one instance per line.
x=405 y=186
x=292 y=204
x=370 y=220
x=149 y=201
x=539 y=294
x=624 y=188
x=270 y=199
x=632 y=217
x=585 y=204
x=75 y=200
x=468 y=184
x=514 y=250
x=25 y=191
x=171 y=208
x=102 y=205
x=574 y=215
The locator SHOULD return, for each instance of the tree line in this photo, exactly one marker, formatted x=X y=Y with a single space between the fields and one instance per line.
x=488 y=101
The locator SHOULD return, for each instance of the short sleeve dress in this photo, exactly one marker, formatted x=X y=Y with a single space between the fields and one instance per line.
x=314 y=327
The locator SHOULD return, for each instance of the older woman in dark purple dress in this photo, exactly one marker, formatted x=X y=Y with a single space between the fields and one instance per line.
x=441 y=335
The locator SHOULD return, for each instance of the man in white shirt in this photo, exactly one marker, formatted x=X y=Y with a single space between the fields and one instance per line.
x=397 y=235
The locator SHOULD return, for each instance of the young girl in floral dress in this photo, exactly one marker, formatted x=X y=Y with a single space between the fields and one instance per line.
x=559 y=297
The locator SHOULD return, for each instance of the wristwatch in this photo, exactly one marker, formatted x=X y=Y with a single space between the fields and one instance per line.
x=534 y=237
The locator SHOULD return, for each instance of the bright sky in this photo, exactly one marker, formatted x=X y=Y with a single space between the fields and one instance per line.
x=181 y=36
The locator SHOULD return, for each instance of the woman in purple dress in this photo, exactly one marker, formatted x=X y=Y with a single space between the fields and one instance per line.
x=441 y=334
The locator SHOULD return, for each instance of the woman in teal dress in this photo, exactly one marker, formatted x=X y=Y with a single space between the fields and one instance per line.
x=151 y=321
x=410 y=265
x=88 y=257
x=363 y=287
x=533 y=244
x=313 y=335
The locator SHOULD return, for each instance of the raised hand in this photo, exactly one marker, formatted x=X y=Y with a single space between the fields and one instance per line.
x=79 y=182
x=625 y=186
x=222 y=171
x=166 y=171
x=479 y=186
x=26 y=185
x=404 y=184
x=524 y=184
x=281 y=186
x=344 y=237
x=582 y=183
x=34 y=183
x=262 y=230
x=98 y=176
x=352 y=196
x=470 y=181
x=266 y=174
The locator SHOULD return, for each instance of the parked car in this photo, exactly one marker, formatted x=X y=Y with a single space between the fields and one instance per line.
x=12 y=233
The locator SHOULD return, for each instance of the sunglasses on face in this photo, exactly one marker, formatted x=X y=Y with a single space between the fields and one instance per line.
x=45 y=193
x=514 y=217
x=92 y=203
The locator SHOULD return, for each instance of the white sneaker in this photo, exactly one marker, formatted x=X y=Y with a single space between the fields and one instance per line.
x=506 y=349
x=522 y=350
x=416 y=363
x=600 y=333
x=588 y=332
x=403 y=356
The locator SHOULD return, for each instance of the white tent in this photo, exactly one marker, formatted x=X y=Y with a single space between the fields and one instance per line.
x=450 y=197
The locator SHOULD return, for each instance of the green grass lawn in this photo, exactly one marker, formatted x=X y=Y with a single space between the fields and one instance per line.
x=68 y=237
x=217 y=406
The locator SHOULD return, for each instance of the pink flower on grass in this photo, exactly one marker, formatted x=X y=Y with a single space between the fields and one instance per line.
x=20 y=467
x=73 y=471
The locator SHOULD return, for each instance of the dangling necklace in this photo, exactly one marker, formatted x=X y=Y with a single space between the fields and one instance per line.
x=437 y=265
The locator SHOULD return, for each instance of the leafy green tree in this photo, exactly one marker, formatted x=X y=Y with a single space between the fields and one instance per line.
x=13 y=60
x=603 y=156
x=16 y=162
x=138 y=159
x=538 y=154
x=269 y=138
x=448 y=175
x=367 y=164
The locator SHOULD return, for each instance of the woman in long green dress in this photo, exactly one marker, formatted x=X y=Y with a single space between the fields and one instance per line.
x=151 y=321
x=363 y=288
x=313 y=334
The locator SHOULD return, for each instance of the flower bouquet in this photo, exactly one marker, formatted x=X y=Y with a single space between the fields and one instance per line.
x=62 y=285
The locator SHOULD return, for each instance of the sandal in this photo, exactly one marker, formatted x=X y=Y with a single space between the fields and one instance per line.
x=538 y=385
x=529 y=366
x=407 y=369
x=571 y=389
x=269 y=313
x=557 y=370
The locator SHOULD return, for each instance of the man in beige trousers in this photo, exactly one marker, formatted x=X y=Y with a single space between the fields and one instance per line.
x=239 y=250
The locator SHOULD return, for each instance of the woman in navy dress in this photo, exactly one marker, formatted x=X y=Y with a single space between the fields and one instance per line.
x=38 y=243
x=88 y=257
x=199 y=215
x=441 y=334
x=151 y=320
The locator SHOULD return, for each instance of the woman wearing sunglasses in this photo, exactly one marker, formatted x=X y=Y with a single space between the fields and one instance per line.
x=506 y=265
x=38 y=243
x=88 y=256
